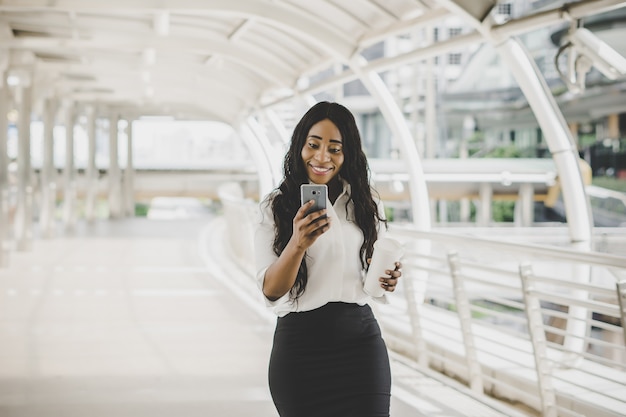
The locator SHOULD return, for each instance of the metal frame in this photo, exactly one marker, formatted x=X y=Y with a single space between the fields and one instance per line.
x=465 y=318
x=545 y=384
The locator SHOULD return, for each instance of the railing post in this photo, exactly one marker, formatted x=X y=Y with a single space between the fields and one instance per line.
x=538 y=338
x=621 y=296
x=414 y=294
x=465 y=318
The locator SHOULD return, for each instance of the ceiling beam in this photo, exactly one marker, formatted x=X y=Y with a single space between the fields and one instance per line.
x=292 y=20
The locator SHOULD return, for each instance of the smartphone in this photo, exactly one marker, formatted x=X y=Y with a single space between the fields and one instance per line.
x=315 y=192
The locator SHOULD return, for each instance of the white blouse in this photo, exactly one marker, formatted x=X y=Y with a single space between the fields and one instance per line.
x=333 y=262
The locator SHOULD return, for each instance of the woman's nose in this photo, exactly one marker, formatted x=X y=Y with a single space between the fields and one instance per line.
x=322 y=155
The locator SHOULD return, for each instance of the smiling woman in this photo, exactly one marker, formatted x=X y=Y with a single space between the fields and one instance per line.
x=328 y=356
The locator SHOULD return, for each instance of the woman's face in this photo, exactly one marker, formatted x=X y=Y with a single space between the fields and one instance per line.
x=322 y=153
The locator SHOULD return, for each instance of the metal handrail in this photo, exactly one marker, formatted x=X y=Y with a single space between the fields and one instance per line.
x=542 y=251
x=551 y=357
x=511 y=342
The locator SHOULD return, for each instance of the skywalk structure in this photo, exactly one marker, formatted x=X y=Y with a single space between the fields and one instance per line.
x=528 y=323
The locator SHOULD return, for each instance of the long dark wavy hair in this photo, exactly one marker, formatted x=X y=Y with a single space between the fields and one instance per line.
x=354 y=170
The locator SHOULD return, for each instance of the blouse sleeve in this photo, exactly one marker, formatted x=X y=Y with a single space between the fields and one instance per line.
x=264 y=253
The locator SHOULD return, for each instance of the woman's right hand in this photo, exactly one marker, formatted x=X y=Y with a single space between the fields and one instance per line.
x=307 y=228
x=281 y=275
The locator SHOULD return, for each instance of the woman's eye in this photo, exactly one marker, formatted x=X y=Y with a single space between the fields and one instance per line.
x=312 y=145
x=336 y=150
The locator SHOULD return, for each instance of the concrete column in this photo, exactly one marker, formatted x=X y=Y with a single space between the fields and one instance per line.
x=613 y=126
x=69 y=170
x=526 y=207
x=115 y=180
x=129 y=183
x=469 y=124
x=443 y=212
x=48 y=171
x=23 y=212
x=4 y=170
x=484 y=214
x=92 y=172
x=466 y=210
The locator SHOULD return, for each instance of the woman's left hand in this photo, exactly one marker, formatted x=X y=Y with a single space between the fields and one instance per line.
x=389 y=283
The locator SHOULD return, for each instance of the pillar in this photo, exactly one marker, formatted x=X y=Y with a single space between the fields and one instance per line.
x=613 y=126
x=69 y=170
x=115 y=181
x=486 y=196
x=23 y=212
x=525 y=205
x=91 y=173
x=48 y=171
x=129 y=183
x=4 y=170
x=443 y=211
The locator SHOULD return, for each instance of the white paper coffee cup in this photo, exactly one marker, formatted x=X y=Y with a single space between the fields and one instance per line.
x=387 y=252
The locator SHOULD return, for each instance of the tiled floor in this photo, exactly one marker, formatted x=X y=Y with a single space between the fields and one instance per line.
x=113 y=326
x=125 y=318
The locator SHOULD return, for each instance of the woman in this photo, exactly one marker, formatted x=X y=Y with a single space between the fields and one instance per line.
x=328 y=357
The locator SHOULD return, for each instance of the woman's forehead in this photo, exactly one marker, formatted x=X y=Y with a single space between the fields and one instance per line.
x=325 y=129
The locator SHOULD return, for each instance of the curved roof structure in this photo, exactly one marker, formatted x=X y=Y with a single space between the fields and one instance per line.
x=225 y=60
x=212 y=59
x=208 y=59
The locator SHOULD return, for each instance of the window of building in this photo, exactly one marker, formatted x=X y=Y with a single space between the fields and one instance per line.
x=505 y=9
x=452 y=32
x=454 y=59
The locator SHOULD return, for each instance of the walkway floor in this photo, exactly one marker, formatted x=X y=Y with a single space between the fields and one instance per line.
x=123 y=318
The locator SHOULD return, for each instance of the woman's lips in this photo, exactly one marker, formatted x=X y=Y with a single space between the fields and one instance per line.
x=320 y=170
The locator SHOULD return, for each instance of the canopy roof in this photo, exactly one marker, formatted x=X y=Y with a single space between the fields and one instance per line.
x=212 y=59
x=209 y=59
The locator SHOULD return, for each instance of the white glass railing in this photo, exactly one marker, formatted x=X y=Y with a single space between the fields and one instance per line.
x=533 y=324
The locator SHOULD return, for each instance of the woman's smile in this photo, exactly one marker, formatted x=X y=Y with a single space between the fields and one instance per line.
x=320 y=170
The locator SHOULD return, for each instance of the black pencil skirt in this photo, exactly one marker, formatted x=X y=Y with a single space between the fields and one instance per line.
x=329 y=362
